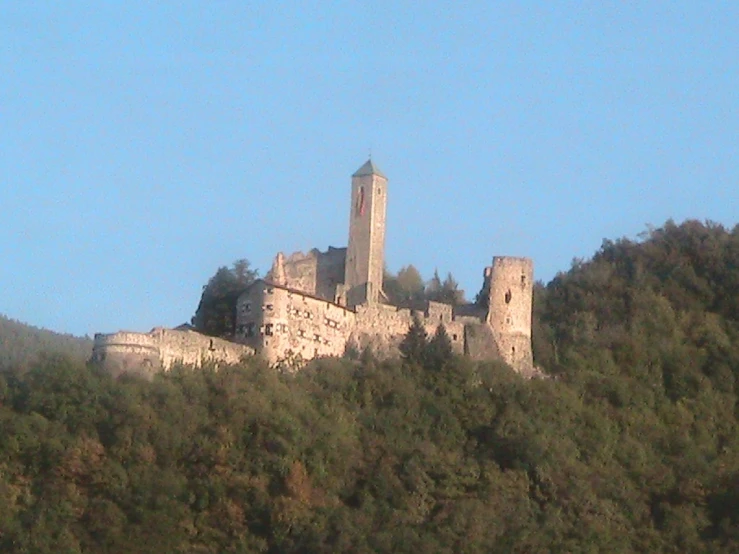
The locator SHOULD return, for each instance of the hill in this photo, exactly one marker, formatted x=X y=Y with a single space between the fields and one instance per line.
x=633 y=446
x=21 y=345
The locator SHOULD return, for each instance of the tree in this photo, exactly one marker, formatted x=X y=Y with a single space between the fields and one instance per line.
x=434 y=287
x=414 y=344
x=446 y=292
x=406 y=288
x=216 y=313
x=439 y=349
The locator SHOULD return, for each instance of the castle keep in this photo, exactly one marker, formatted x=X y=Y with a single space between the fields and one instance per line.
x=323 y=303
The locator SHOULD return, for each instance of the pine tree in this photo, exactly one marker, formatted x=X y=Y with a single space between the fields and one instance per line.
x=439 y=350
x=414 y=344
x=216 y=313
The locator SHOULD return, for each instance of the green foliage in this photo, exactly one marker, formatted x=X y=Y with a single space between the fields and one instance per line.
x=216 y=312
x=407 y=288
x=439 y=350
x=404 y=289
x=447 y=292
x=416 y=349
x=414 y=345
x=23 y=345
x=633 y=447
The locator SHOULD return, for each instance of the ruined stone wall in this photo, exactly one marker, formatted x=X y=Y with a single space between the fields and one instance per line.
x=301 y=271
x=383 y=327
x=160 y=349
x=509 y=309
x=315 y=273
x=280 y=323
x=284 y=324
x=329 y=272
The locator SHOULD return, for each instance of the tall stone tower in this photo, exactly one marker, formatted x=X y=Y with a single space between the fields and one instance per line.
x=365 y=255
x=511 y=286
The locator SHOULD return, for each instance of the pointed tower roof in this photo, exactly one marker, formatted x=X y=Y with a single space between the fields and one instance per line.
x=369 y=168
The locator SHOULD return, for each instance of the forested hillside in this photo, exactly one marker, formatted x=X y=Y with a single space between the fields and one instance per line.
x=633 y=446
x=21 y=345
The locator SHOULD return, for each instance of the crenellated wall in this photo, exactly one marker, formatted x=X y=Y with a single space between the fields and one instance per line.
x=280 y=323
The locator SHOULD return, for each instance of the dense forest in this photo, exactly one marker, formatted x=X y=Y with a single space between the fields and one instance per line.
x=22 y=345
x=632 y=444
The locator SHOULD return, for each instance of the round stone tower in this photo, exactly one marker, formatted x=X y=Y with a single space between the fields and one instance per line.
x=510 y=301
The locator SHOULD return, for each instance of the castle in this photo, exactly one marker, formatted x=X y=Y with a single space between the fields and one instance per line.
x=323 y=303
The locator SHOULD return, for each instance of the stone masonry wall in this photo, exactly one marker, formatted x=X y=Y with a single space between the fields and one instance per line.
x=283 y=324
x=315 y=273
x=383 y=327
x=161 y=349
x=509 y=309
x=317 y=304
x=365 y=257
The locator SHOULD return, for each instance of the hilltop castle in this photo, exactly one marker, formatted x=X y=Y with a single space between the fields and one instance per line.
x=322 y=303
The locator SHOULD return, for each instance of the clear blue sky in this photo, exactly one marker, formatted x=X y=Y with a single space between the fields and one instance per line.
x=142 y=145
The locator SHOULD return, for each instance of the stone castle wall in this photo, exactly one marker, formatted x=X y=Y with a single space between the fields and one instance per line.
x=282 y=323
x=382 y=327
x=162 y=348
x=320 y=303
x=285 y=324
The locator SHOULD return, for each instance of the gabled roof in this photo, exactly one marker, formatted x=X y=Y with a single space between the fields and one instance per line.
x=369 y=168
x=269 y=283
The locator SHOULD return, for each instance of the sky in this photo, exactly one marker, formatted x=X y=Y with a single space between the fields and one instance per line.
x=143 y=145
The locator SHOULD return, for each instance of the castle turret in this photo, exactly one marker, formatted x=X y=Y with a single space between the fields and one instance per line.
x=365 y=256
x=510 y=285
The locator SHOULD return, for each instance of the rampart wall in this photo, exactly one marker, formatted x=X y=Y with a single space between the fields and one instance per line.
x=320 y=303
x=281 y=323
x=160 y=349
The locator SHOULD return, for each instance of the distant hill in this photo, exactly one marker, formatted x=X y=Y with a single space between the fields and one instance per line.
x=21 y=344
